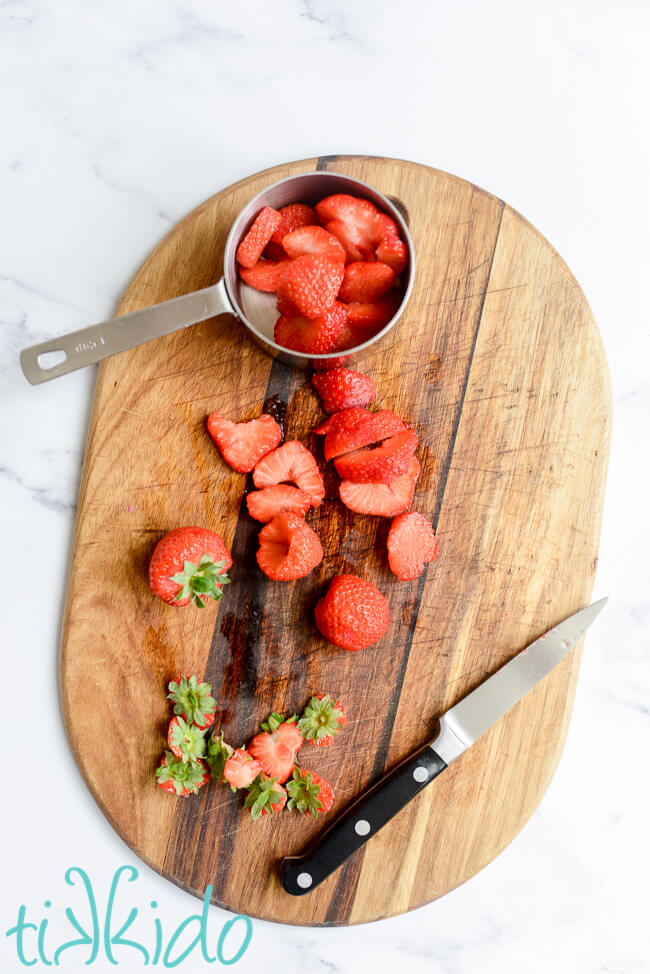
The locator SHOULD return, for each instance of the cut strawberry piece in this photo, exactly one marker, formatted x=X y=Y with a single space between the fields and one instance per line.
x=322 y=720
x=373 y=315
x=379 y=464
x=313 y=240
x=312 y=336
x=265 y=797
x=250 y=249
x=390 y=248
x=311 y=284
x=264 y=276
x=291 y=217
x=356 y=246
x=366 y=281
x=276 y=751
x=242 y=445
x=267 y=503
x=371 y=428
x=342 y=388
x=241 y=770
x=385 y=500
x=289 y=548
x=331 y=363
x=308 y=793
x=346 y=419
x=291 y=463
x=358 y=215
x=411 y=544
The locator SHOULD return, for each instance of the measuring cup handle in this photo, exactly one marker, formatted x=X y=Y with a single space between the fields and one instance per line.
x=97 y=342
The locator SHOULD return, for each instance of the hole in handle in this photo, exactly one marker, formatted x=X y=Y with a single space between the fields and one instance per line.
x=49 y=360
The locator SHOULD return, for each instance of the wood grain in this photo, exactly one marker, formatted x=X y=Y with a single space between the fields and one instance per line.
x=499 y=363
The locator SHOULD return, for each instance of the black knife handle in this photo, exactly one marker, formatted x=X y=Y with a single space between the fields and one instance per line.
x=359 y=822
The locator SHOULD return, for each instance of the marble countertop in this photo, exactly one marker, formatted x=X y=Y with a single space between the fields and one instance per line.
x=118 y=118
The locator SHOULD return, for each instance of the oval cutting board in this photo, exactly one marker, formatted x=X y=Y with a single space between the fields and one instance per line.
x=499 y=363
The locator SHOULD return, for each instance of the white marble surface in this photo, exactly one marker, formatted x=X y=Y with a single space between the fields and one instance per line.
x=119 y=117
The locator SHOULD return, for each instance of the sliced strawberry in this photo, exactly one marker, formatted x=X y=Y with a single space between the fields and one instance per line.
x=291 y=463
x=322 y=719
x=308 y=793
x=242 y=445
x=267 y=503
x=359 y=217
x=411 y=543
x=371 y=428
x=264 y=276
x=385 y=500
x=313 y=240
x=337 y=362
x=276 y=751
x=311 y=284
x=346 y=419
x=289 y=548
x=250 y=249
x=373 y=315
x=274 y=251
x=356 y=246
x=291 y=217
x=390 y=248
x=342 y=388
x=265 y=797
x=185 y=741
x=313 y=336
x=181 y=778
x=240 y=770
x=379 y=464
x=366 y=281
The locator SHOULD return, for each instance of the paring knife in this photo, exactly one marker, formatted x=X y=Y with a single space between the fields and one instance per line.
x=460 y=727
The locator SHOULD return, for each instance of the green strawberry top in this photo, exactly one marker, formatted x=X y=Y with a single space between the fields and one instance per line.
x=187 y=738
x=217 y=755
x=274 y=720
x=202 y=581
x=192 y=700
x=303 y=793
x=323 y=717
x=264 y=797
x=186 y=777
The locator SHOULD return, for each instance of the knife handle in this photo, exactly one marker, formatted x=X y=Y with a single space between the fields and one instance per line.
x=359 y=822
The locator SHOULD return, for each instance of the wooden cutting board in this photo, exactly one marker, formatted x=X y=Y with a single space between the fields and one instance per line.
x=499 y=363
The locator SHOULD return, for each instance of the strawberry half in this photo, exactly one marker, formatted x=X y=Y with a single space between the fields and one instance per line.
x=353 y=221
x=311 y=284
x=385 y=500
x=411 y=544
x=181 y=778
x=289 y=548
x=341 y=388
x=309 y=793
x=371 y=428
x=313 y=240
x=240 y=770
x=292 y=216
x=322 y=719
x=390 y=248
x=312 y=336
x=346 y=419
x=291 y=463
x=250 y=249
x=186 y=741
x=379 y=464
x=265 y=797
x=242 y=445
x=264 y=276
x=366 y=281
x=276 y=750
x=267 y=503
x=370 y=316
x=193 y=701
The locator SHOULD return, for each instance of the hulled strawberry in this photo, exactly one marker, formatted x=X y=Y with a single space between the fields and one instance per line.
x=371 y=428
x=242 y=445
x=193 y=701
x=265 y=797
x=291 y=463
x=353 y=613
x=179 y=777
x=289 y=548
x=308 y=793
x=218 y=752
x=276 y=750
x=411 y=544
x=240 y=770
x=189 y=565
x=379 y=464
x=267 y=503
x=322 y=719
x=186 y=741
x=264 y=276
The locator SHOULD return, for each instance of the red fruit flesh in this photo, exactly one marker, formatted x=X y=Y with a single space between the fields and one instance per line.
x=242 y=445
x=276 y=751
x=293 y=463
x=312 y=336
x=291 y=217
x=341 y=388
x=356 y=245
x=171 y=553
x=313 y=240
x=366 y=281
x=353 y=614
x=267 y=503
x=241 y=769
x=373 y=315
x=346 y=419
x=371 y=428
x=311 y=284
x=411 y=544
x=385 y=500
x=264 y=275
x=250 y=249
x=289 y=548
x=381 y=464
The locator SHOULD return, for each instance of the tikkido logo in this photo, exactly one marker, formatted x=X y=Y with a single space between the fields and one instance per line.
x=104 y=936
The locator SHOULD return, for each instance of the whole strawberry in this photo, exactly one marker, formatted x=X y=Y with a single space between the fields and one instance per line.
x=186 y=741
x=322 y=719
x=193 y=701
x=353 y=613
x=189 y=565
x=308 y=793
x=179 y=777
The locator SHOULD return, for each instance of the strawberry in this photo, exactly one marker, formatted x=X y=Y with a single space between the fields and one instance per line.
x=411 y=543
x=352 y=614
x=193 y=701
x=265 y=797
x=346 y=419
x=309 y=793
x=250 y=249
x=342 y=388
x=241 y=770
x=372 y=428
x=292 y=462
x=264 y=276
x=289 y=548
x=324 y=365
x=274 y=251
x=291 y=217
x=181 y=778
x=322 y=719
x=390 y=248
x=366 y=281
x=218 y=753
x=370 y=316
x=313 y=240
x=276 y=750
x=386 y=500
x=357 y=246
x=354 y=221
x=189 y=565
x=313 y=336
x=186 y=741
x=311 y=284
x=267 y=503
x=380 y=464
x=242 y=445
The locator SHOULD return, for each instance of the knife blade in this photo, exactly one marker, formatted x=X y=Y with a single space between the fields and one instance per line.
x=460 y=727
